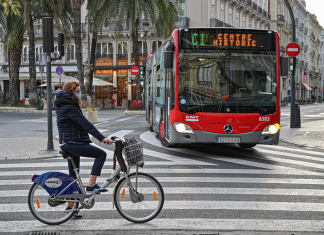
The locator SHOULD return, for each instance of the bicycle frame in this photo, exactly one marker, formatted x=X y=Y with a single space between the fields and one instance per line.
x=114 y=177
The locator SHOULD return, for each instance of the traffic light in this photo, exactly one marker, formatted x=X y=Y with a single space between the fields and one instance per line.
x=142 y=72
x=291 y=67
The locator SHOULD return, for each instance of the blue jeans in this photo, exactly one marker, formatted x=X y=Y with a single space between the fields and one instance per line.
x=85 y=150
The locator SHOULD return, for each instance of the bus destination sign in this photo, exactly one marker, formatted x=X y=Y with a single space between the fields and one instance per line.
x=223 y=38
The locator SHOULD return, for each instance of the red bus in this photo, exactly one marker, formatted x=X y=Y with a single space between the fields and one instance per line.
x=215 y=85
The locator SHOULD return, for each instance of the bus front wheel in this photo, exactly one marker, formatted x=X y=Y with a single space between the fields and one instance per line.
x=163 y=141
x=247 y=145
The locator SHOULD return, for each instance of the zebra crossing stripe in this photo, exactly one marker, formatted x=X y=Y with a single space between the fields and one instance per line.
x=203 y=180
x=188 y=224
x=196 y=205
x=294 y=155
x=173 y=171
x=212 y=191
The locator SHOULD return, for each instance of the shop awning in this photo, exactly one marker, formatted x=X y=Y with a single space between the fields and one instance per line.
x=307 y=87
x=133 y=77
x=304 y=81
x=103 y=76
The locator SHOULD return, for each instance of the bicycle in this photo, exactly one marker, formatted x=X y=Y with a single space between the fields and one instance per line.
x=138 y=196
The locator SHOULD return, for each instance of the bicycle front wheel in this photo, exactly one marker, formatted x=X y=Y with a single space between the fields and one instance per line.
x=46 y=210
x=151 y=198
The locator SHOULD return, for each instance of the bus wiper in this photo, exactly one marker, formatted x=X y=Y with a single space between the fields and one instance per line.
x=253 y=105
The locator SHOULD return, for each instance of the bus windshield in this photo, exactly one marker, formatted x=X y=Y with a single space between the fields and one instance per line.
x=227 y=82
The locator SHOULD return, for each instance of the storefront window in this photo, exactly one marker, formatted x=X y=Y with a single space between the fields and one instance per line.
x=104 y=92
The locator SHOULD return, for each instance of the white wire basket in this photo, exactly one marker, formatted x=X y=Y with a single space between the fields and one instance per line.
x=133 y=153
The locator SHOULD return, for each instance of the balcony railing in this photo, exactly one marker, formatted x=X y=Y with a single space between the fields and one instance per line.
x=38 y=29
x=184 y=22
x=281 y=18
x=140 y=54
x=249 y=3
x=121 y=56
x=255 y=6
x=264 y=13
x=260 y=10
x=99 y=55
x=218 y=23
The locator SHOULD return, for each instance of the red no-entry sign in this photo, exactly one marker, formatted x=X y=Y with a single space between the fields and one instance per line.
x=135 y=70
x=293 y=49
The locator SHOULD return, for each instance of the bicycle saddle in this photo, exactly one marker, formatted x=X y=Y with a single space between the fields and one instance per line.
x=64 y=154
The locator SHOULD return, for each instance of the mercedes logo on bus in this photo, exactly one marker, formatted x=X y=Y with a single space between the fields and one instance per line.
x=228 y=128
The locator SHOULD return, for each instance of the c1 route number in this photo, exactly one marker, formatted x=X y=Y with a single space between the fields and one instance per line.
x=264 y=119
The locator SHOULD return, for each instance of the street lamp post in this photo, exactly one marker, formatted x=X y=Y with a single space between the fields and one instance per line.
x=145 y=28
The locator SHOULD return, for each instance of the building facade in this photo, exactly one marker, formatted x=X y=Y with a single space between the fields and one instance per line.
x=313 y=56
x=114 y=55
x=322 y=64
x=300 y=13
x=281 y=22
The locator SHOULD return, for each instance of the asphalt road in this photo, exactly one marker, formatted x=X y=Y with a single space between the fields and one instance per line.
x=208 y=188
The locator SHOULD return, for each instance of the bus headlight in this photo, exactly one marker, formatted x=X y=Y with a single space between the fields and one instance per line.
x=182 y=128
x=271 y=129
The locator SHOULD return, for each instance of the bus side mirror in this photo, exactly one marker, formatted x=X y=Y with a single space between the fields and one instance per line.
x=283 y=66
x=168 y=59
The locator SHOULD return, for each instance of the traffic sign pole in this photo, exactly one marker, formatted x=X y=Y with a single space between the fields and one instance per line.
x=293 y=118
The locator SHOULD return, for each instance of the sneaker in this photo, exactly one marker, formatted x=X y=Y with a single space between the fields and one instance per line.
x=76 y=214
x=95 y=188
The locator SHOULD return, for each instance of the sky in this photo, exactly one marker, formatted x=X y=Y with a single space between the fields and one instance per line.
x=316 y=7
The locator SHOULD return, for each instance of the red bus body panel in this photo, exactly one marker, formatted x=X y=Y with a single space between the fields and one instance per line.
x=215 y=122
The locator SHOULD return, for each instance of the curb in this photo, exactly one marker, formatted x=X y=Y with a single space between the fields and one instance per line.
x=134 y=112
x=23 y=111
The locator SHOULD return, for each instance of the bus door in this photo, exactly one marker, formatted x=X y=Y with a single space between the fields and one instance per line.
x=167 y=102
x=154 y=96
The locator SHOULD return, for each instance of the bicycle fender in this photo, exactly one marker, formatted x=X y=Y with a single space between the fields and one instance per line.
x=54 y=182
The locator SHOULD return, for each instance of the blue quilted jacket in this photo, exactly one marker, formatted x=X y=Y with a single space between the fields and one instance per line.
x=72 y=124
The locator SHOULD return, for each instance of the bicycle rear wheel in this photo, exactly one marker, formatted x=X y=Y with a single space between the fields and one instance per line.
x=151 y=203
x=45 y=210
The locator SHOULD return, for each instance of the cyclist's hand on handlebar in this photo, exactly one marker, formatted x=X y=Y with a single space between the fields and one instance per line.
x=107 y=141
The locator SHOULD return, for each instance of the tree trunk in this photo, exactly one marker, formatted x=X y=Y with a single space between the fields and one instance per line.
x=92 y=59
x=77 y=38
x=33 y=97
x=14 y=83
x=136 y=56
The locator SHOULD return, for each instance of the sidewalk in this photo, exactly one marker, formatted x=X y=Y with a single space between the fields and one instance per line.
x=311 y=134
x=31 y=143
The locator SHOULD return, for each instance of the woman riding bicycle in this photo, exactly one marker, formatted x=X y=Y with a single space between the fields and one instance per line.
x=74 y=131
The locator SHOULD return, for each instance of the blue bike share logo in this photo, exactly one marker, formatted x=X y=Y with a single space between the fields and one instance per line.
x=53 y=183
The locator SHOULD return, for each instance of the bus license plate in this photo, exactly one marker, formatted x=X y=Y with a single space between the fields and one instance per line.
x=228 y=140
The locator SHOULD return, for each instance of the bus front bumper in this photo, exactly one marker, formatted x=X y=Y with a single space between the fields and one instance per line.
x=254 y=137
